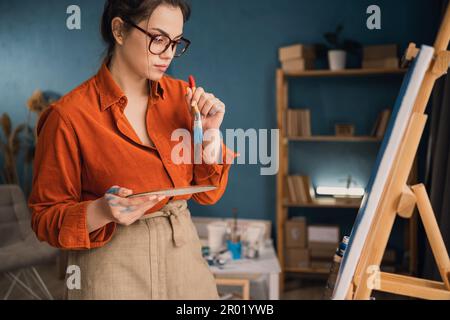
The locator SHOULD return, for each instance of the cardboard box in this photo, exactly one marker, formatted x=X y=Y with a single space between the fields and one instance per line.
x=297 y=258
x=295 y=233
x=381 y=63
x=297 y=65
x=378 y=52
x=320 y=250
x=323 y=234
x=321 y=264
x=297 y=51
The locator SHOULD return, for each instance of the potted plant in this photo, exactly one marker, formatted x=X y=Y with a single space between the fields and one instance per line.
x=338 y=48
x=13 y=140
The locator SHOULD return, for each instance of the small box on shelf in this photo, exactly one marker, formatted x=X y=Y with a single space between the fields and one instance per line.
x=323 y=240
x=297 y=51
x=297 y=258
x=386 y=63
x=296 y=233
x=297 y=57
x=323 y=235
x=321 y=264
x=322 y=250
x=381 y=57
x=344 y=130
x=297 y=65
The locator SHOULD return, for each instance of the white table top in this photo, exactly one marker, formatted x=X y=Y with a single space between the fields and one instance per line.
x=267 y=262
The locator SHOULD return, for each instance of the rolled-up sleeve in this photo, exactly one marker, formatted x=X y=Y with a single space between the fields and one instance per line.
x=213 y=174
x=59 y=216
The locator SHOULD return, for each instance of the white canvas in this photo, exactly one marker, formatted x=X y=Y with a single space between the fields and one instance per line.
x=398 y=124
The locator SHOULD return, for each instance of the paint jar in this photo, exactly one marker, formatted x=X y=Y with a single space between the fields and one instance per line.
x=216 y=236
x=235 y=248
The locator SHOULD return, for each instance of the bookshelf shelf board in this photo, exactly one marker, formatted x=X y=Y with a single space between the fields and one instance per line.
x=308 y=270
x=335 y=139
x=346 y=72
x=327 y=202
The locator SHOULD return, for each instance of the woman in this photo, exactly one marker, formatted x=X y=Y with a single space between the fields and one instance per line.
x=115 y=130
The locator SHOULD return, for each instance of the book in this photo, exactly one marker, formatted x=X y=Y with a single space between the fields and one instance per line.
x=292 y=190
x=298 y=122
x=384 y=121
x=305 y=116
x=380 y=126
x=375 y=126
x=300 y=189
x=309 y=189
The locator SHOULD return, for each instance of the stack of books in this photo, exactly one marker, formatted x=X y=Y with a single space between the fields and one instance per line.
x=379 y=129
x=300 y=189
x=298 y=123
x=296 y=58
x=380 y=56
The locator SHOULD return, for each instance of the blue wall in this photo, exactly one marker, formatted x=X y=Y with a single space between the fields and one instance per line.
x=234 y=55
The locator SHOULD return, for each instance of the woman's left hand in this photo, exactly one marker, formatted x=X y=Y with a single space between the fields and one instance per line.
x=211 y=108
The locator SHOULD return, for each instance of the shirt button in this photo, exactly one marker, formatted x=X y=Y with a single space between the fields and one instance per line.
x=123 y=101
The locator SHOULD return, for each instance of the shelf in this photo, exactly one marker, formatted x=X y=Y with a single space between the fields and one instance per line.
x=308 y=270
x=327 y=202
x=345 y=73
x=335 y=139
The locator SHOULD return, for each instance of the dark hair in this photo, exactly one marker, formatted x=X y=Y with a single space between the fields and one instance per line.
x=136 y=11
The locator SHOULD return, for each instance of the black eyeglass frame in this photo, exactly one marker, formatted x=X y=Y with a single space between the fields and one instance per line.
x=153 y=37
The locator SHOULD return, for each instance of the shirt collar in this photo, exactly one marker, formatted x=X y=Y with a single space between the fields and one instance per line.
x=110 y=92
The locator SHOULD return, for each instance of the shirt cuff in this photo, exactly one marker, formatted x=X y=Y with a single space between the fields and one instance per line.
x=206 y=171
x=74 y=232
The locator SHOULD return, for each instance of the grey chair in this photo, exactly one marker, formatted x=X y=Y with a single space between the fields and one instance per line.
x=20 y=250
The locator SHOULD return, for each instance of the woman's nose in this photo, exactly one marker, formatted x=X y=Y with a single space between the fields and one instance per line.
x=168 y=54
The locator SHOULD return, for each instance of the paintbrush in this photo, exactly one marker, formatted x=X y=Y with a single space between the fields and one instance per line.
x=197 y=128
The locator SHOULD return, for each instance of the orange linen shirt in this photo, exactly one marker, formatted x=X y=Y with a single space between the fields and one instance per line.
x=86 y=145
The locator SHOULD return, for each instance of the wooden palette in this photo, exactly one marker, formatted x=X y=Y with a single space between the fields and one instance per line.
x=176 y=191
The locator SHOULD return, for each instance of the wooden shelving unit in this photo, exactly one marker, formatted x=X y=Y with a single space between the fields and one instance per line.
x=335 y=139
x=282 y=85
x=344 y=73
x=308 y=270
x=327 y=203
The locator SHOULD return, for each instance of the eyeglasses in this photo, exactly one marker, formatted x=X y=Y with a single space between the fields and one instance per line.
x=160 y=43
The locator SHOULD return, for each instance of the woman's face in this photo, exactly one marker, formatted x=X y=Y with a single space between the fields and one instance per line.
x=165 y=20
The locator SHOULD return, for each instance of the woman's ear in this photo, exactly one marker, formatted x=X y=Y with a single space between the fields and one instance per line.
x=117 y=27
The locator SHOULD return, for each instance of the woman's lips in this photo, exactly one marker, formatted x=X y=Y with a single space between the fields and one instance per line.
x=162 y=68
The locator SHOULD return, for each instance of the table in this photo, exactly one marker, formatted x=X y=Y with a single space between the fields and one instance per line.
x=267 y=263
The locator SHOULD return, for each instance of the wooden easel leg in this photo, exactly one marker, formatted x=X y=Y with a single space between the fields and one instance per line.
x=416 y=287
x=433 y=233
x=387 y=211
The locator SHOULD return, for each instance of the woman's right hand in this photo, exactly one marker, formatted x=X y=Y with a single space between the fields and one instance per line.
x=126 y=211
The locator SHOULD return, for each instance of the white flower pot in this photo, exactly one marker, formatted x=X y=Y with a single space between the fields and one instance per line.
x=337 y=59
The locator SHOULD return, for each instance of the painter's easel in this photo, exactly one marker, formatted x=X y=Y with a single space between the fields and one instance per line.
x=400 y=199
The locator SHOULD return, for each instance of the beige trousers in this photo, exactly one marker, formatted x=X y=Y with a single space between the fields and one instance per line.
x=157 y=257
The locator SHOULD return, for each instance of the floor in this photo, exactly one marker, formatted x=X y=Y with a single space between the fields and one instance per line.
x=296 y=287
